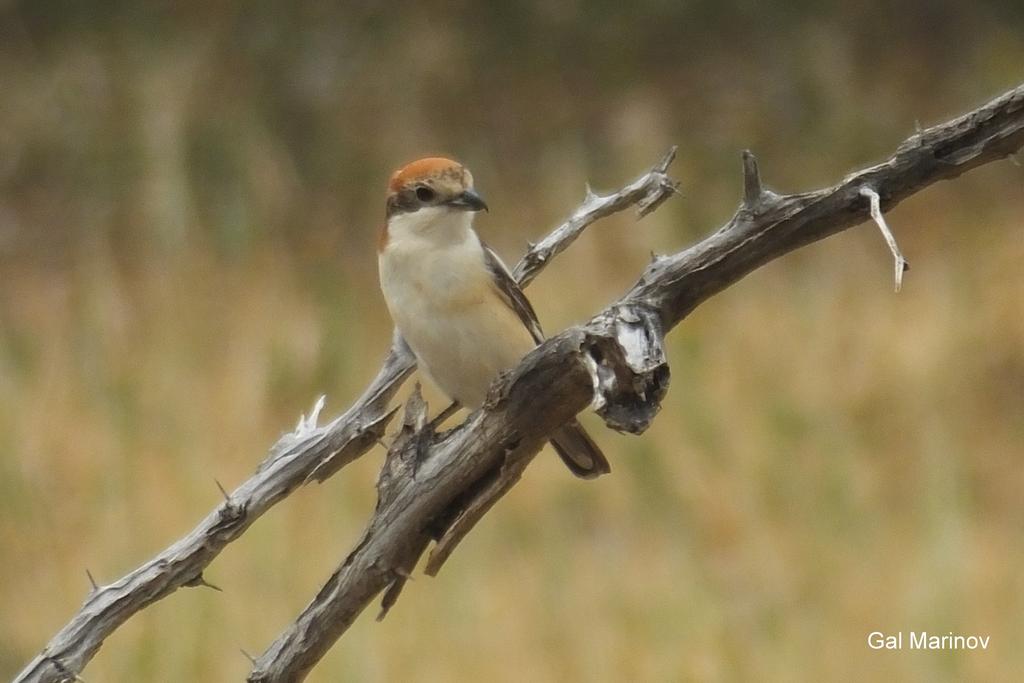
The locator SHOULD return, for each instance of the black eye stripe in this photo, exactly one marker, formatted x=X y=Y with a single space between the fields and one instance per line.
x=410 y=199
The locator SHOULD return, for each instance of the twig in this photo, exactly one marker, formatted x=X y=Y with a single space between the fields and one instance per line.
x=646 y=193
x=876 y=214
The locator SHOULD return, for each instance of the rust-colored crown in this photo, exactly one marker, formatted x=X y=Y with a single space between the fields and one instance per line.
x=430 y=167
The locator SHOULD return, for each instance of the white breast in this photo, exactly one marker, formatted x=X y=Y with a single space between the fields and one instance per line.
x=441 y=298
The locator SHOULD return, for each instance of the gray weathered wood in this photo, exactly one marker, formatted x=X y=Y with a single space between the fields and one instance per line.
x=437 y=486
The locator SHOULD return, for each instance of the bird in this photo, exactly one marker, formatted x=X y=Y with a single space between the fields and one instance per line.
x=452 y=298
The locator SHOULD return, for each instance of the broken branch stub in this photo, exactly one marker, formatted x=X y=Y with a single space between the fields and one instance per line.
x=625 y=355
x=900 y=264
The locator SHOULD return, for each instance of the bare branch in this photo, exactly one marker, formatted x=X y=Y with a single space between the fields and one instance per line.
x=646 y=193
x=615 y=362
x=676 y=284
x=309 y=453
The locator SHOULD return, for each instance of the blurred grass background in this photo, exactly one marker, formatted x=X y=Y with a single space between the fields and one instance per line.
x=188 y=200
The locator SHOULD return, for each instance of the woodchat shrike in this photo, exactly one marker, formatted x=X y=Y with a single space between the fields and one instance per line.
x=454 y=301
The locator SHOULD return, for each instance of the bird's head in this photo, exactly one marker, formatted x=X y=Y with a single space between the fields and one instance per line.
x=432 y=198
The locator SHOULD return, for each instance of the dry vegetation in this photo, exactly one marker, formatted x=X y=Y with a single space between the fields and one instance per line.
x=186 y=261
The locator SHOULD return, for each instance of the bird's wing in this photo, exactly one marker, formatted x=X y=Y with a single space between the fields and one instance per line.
x=511 y=294
x=571 y=442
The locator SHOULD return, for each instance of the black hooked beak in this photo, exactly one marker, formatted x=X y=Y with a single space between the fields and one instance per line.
x=468 y=201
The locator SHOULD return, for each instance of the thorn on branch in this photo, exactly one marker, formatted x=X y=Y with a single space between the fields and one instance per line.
x=200 y=580
x=95 y=586
x=752 y=190
x=252 y=660
x=900 y=263
x=230 y=512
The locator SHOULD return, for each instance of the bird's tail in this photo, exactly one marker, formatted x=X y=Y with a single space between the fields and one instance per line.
x=579 y=452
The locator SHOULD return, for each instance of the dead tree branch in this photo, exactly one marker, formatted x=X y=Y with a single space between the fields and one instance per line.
x=309 y=453
x=437 y=486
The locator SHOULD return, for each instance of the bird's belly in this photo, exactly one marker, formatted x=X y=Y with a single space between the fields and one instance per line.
x=463 y=348
x=462 y=333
